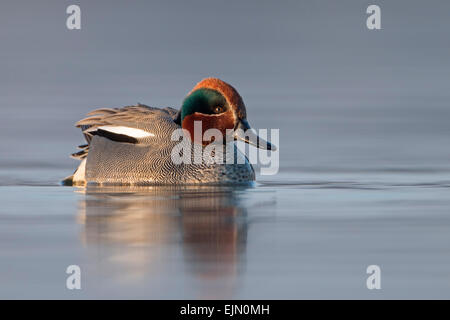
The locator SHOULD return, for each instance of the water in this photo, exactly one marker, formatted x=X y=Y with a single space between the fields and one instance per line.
x=364 y=160
x=307 y=232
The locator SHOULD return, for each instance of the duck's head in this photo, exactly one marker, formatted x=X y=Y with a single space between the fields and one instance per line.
x=218 y=106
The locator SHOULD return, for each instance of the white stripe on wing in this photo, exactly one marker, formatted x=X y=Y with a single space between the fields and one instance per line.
x=128 y=131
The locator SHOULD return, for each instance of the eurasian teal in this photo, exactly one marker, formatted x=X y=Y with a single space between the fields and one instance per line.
x=133 y=145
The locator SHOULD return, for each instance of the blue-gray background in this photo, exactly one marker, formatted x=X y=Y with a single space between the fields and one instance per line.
x=364 y=135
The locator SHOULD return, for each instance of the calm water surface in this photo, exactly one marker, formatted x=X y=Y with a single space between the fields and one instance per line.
x=308 y=232
x=364 y=150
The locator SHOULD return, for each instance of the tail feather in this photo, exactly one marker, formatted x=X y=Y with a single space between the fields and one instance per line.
x=78 y=178
x=67 y=181
x=80 y=155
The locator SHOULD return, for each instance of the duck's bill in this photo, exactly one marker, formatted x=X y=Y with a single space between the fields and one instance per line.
x=244 y=132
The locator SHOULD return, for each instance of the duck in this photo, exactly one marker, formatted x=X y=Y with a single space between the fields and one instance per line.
x=134 y=145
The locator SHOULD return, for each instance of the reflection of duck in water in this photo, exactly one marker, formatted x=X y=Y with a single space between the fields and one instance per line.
x=214 y=243
x=135 y=232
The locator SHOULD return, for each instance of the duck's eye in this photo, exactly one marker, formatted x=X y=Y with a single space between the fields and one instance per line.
x=218 y=109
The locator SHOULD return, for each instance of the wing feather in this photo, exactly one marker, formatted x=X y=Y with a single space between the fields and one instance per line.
x=130 y=124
